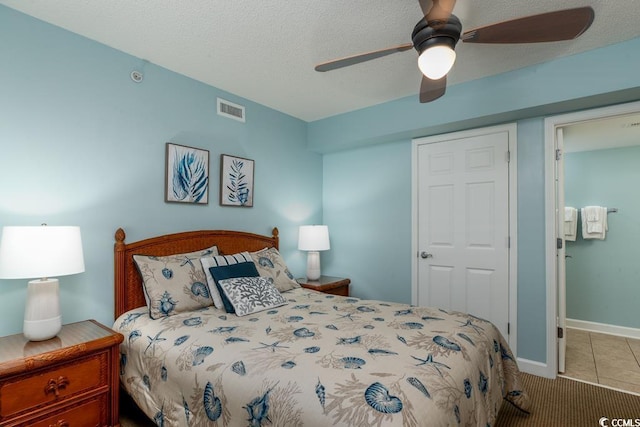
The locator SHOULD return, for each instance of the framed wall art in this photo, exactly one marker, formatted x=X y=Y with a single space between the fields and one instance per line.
x=236 y=181
x=186 y=174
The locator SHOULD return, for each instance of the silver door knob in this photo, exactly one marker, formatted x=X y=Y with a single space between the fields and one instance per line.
x=425 y=255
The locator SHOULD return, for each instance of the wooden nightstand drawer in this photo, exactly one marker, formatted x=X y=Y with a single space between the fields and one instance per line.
x=327 y=285
x=87 y=414
x=55 y=384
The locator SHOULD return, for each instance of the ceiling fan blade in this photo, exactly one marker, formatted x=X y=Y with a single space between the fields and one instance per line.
x=437 y=10
x=547 y=27
x=430 y=90
x=356 y=59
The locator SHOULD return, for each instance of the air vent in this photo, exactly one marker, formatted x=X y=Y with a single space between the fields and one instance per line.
x=231 y=110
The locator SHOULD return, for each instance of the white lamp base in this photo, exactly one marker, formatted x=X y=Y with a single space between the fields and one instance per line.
x=42 y=319
x=313 y=265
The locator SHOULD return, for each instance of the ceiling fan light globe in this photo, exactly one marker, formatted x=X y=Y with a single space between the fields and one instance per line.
x=436 y=61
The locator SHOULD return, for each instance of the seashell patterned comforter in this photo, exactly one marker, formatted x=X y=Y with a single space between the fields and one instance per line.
x=320 y=360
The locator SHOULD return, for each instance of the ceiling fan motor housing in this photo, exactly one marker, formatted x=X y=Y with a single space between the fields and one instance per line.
x=426 y=34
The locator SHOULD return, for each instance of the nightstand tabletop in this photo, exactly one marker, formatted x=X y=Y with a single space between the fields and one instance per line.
x=19 y=354
x=327 y=284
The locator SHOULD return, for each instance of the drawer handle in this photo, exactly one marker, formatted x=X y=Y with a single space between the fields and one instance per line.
x=60 y=423
x=55 y=385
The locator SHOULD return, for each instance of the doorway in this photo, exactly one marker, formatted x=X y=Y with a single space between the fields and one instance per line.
x=464 y=224
x=557 y=128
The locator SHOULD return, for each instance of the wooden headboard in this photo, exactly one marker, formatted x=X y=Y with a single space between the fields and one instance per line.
x=128 y=283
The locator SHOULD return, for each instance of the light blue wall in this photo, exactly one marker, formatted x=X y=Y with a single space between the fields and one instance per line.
x=367 y=204
x=82 y=144
x=603 y=276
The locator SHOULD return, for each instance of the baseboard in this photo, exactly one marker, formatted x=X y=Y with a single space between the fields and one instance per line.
x=622 y=331
x=535 y=368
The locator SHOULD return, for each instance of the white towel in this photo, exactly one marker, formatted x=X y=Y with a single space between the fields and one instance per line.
x=570 y=223
x=594 y=222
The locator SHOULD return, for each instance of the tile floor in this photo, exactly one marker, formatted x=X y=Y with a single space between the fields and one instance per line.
x=603 y=359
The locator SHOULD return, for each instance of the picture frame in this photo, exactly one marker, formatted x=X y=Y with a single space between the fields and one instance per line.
x=236 y=181
x=186 y=174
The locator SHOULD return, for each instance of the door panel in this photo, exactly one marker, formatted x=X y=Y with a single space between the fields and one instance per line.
x=463 y=224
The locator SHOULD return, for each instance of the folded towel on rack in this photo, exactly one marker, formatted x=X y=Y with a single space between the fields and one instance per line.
x=594 y=222
x=570 y=223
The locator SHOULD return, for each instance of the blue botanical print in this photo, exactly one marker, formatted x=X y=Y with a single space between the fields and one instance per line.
x=238 y=187
x=190 y=176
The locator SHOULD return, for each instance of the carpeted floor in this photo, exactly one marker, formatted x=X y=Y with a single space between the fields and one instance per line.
x=568 y=403
x=554 y=403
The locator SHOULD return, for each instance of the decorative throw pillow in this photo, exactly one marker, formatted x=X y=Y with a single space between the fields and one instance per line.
x=220 y=260
x=251 y=294
x=241 y=269
x=270 y=264
x=175 y=283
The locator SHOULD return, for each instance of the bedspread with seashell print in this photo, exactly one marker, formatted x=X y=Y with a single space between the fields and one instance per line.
x=320 y=360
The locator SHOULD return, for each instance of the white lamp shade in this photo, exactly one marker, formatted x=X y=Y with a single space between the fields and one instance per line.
x=313 y=238
x=436 y=61
x=40 y=251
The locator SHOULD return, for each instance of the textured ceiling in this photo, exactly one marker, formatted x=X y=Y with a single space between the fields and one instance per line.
x=265 y=50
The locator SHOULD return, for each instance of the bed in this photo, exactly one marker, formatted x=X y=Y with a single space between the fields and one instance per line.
x=313 y=360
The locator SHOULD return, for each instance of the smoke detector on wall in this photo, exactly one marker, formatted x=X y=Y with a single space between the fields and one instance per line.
x=137 y=76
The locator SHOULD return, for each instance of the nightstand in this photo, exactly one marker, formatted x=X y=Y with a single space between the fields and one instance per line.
x=327 y=285
x=69 y=380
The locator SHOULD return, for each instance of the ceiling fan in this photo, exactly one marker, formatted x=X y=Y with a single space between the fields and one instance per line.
x=436 y=34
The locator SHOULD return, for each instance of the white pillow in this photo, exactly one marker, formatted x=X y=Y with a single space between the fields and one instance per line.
x=250 y=295
x=216 y=261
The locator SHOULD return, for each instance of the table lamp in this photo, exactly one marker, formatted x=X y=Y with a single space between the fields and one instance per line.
x=313 y=238
x=32 y=252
